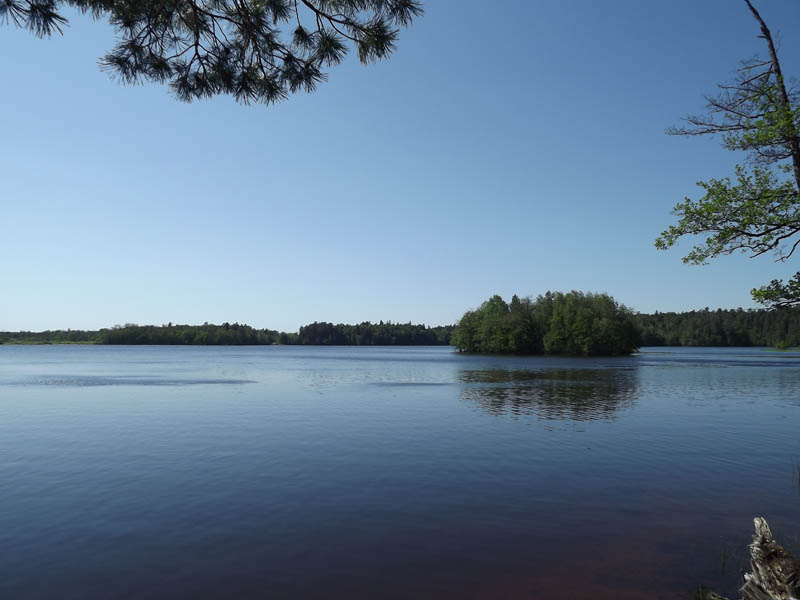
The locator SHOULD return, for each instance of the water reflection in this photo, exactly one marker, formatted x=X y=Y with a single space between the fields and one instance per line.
x=563 y=394
x=100 y=380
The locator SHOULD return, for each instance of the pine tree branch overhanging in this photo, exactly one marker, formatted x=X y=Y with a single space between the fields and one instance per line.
x=255 y=50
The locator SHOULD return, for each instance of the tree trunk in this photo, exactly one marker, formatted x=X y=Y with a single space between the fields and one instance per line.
x=794 y=138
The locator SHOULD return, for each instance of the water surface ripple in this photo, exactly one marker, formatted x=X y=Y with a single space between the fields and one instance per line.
x=301 y=472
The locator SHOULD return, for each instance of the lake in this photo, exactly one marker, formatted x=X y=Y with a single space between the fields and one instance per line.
x=342 y=472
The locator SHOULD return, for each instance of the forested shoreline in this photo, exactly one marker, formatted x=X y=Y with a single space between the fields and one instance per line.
x=373 y=334
x=722 y=327
x=235 y=334
x=778 y=327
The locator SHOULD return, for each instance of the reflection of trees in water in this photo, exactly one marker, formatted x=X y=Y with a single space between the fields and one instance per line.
x=567 y=394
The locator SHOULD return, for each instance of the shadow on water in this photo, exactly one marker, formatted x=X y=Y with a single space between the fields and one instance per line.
x=561 y=394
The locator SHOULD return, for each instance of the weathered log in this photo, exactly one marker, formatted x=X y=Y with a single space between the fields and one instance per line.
x=774 y=575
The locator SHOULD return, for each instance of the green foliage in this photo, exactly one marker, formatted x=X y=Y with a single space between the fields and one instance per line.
x=760 y=213
x=69 y=336
x=756 y=215
x=227 y=334
x=373 y=334
x=779 y=328
x=256 y=50
x=554 y=323
x=191 y=335
x=778 y=293
x=575 y=323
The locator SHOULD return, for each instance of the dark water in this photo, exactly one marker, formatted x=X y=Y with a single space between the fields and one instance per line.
x=297 y=472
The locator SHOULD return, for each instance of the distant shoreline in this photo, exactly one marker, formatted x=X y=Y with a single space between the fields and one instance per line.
x=777 y=329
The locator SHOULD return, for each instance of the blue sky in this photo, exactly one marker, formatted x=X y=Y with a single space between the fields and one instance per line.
x=510 y=149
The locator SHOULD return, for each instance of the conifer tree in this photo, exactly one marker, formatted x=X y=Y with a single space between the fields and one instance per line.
x=255 y=50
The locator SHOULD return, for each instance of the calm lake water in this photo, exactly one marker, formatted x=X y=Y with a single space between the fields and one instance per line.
x=310 y=472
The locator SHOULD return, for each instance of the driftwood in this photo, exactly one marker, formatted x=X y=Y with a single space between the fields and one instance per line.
x=774 y=575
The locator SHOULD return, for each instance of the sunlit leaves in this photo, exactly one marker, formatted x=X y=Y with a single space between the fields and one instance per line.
x=758 y=112
x=778 y=293
x=756 y=214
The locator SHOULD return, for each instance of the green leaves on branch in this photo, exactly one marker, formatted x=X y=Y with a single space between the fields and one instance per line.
x=767 y=137
x=779 y=294
x=238 y=47
x=750 y=114
x=757 y=214
x=757 y=113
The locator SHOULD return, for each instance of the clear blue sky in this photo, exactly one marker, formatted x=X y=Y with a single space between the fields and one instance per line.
x=509 y=147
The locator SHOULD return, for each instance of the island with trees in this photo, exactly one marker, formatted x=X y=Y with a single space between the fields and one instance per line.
x=575 y=323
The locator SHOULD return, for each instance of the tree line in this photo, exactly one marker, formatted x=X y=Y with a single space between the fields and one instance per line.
x=374 y=334
x=732 y=327
x=554 y=323
x=226 y=334
x=235 y=334
x=59 y=336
